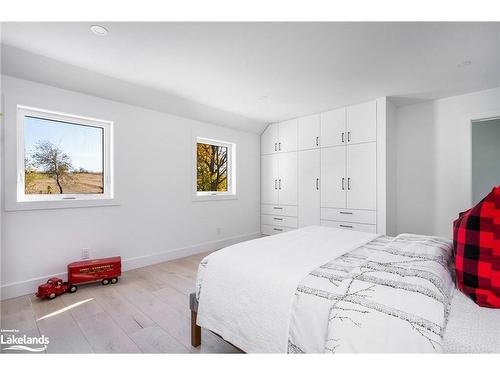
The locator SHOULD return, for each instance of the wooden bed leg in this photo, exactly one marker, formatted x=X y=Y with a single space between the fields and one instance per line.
x=195 y=330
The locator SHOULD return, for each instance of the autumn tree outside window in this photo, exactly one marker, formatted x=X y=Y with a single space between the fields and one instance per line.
x=214 y=168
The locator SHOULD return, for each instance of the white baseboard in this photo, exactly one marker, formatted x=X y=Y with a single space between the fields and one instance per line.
x=30 y=286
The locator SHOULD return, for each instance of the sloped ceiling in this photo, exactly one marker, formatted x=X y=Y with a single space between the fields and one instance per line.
x=245 y=75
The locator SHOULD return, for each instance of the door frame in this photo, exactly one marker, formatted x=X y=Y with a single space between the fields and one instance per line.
x=485 y=116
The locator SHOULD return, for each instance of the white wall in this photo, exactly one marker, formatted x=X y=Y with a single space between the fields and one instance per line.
x=434 y=160
x=153 y=177
x=386 y=167
x=485 y=158
x=391 y=176
x=1 y=166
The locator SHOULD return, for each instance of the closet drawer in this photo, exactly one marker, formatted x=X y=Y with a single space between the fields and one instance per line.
x=353 y=216
x=268 y=209
x=282 y=221
x=352 y=226
x=269 y=230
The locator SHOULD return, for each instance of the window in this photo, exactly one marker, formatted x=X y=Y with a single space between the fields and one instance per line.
x=214 y=169
x=62 y=157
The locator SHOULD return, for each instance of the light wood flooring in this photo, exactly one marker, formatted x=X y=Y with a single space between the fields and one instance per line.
x=146 y=312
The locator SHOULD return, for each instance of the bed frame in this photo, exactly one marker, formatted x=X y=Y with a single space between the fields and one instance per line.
x=195 y=329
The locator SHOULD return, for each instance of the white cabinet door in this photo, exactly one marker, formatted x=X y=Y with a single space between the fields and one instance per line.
x=269 y=179
x=287 y=180
x=333 y=177
x=287 y=136
x=362 y=176
x=309 y=132
x=269 y=140
x=362 y=122
x=309 y=187
x=333 y=131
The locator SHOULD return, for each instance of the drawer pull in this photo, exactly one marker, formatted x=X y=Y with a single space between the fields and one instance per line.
x=277 y=208
x=278 y=218
x=345 y=226
x=278 y=229
x=345 y=213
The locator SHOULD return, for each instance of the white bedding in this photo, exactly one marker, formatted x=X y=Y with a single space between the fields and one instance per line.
x=471 y=328
x=318 y=290
x=247 y=290
x=388 y=296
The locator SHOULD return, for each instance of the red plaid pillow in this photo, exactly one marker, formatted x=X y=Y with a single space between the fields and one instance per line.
x=476 y=239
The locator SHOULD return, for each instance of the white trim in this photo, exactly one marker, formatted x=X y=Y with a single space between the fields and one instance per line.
x=231 y=171
x=51 y=201
x=24 y=287
x=60 y=204
x=485 y=116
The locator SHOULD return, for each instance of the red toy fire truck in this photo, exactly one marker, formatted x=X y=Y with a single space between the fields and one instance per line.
x=106 y=270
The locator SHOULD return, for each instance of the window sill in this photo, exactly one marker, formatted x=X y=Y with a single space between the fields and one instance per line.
x=60 y=204
x=217 y=197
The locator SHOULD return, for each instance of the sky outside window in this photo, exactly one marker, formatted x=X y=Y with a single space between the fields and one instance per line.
x=82 y=143
x=79 y=166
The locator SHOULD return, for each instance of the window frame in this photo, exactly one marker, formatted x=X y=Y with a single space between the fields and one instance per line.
x=107 y=150
x=231 y=171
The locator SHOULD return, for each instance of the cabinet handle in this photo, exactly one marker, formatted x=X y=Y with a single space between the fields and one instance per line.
x=279 y=146
x=278 y=229
x=342 y=137
x=278 y=218
x=275 y=184
x=343 y=179
x=278 y=208
x=345 y=213
x=348 y=136
x=317 y=141
x=317 y=184
x=345 y=226
x=279 y=183
x=275 y=146
x=349 y=183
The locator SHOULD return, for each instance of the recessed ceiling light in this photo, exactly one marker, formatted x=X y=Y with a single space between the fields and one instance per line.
x=464 y=64
x=99 y=30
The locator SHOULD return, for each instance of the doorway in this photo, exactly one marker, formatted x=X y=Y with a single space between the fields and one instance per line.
x=485 y=157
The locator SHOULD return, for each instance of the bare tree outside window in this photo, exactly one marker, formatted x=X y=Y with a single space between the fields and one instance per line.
x=62 y=157
x=212 y=165
x=54 y=162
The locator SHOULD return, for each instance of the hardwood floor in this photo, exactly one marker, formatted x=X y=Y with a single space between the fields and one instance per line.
x=146 y=312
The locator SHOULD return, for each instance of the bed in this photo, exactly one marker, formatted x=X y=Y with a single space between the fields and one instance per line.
x=327 y=290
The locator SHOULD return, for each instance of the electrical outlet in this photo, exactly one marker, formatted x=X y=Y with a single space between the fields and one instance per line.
x=219 y=231
x=85 y=253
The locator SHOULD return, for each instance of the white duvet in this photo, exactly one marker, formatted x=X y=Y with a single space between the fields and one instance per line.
x=323 y=290
x=247 y=291
x=390 y=295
